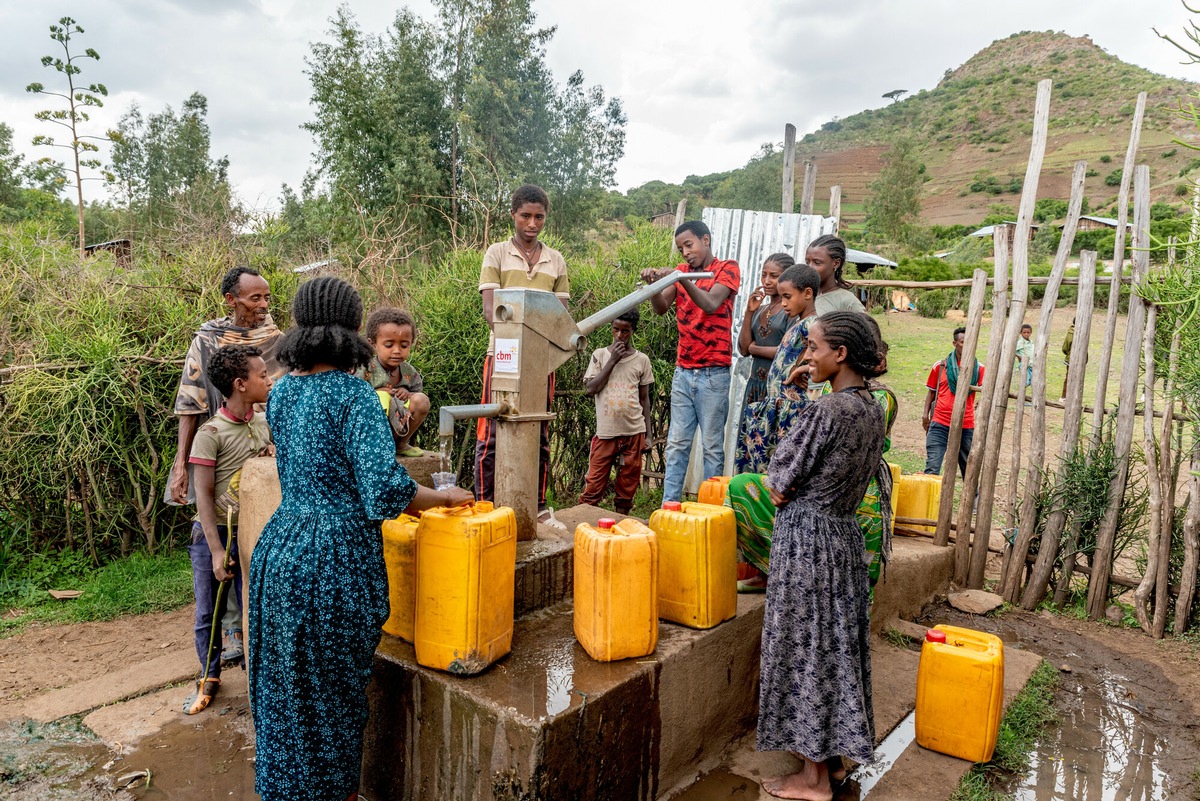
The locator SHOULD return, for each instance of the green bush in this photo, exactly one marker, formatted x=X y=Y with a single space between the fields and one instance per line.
x=1105 y=159
x=1114 y=177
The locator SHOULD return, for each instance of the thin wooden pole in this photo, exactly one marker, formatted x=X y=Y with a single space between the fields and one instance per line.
x=1145 y=588
x=1191 y=546
x=810 y=187
x=789 y=169
x=680 y=211
x=1166 y=464
x=962 y=396
x=1039 y=579
x=966 y=506
x=1008 y=346
x=1010 y=583
x=1018 y=428
x=1123 y=438
x=1118 y=266
x=835 y=205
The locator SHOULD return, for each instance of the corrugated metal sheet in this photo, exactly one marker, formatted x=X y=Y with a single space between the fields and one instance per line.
x=748 y=237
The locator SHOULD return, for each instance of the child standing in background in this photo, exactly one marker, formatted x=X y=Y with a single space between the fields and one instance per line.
x=221 y=446
x=392 y=333
x=619 y=377
x=1025 y=349
x=763 y=327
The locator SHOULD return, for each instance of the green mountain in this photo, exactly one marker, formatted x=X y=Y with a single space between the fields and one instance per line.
x=975 y=127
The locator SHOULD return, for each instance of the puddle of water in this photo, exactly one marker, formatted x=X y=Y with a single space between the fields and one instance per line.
x=886 y=754
x=48 y=762
x=1101 y=749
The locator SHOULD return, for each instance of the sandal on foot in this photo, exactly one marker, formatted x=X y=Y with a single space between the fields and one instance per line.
x=234 y=651
x=546 y=518
x=412 y=453
x=205 y=690
x=756 y=584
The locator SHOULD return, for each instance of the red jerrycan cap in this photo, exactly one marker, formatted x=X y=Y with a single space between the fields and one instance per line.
x=607 y=523
x=672 y=506
x=935 y=635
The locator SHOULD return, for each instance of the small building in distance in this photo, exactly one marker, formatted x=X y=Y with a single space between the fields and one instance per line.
x=664 y=220
x=989 y=231
x=122 y=250
x=1090 y=223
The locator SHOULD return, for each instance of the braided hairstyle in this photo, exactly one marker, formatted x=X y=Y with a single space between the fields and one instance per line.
x=784 y=260
x=836 y=248
x=327 y=312
x=859 y=334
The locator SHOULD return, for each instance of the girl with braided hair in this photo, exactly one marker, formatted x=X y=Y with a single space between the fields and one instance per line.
x=827 y=255
x=815 y=694
x=318 y=587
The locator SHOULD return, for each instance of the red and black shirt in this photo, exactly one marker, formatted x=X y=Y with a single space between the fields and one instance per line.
x=706 y=340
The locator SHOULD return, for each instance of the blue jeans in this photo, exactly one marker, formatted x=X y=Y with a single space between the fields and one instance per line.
x=206 y=585
x=935 y=448
x=699 y=396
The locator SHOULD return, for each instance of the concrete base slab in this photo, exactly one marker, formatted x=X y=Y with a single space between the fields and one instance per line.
x=917 y=573
x=549 y=722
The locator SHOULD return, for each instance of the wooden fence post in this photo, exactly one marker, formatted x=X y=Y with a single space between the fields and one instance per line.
x=962 y=394
x=1016 y=316
x=810 y=187
x=1097 y=601
x=1145 y=588
x=966 y=507
x=1039 y=580
x=1166 y=469
x=1023 y=398
x=1014 y=567
x=835 y=205
x=789 y=169
x=1191 y=546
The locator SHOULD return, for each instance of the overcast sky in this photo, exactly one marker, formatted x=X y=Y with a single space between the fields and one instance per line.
x=704 y=82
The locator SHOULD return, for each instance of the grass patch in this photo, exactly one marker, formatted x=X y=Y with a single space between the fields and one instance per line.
x=1028 y=715
x=133 y=586
x=896 y=638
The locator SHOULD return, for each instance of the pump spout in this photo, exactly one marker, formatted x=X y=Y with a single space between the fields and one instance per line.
x=633 y=300
x=448 y=414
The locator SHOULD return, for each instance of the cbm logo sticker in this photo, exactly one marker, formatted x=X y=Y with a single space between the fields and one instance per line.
x=507 y=353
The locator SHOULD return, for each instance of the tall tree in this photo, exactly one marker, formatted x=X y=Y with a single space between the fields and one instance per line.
x=895 y=202
x=73 y=116
x=10 y=168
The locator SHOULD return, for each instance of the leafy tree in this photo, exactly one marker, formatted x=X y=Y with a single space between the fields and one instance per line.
x=895 y=94
x=73 y=116
x=10 y=168
x=1048 y=209
x=895 y=202
x=756 y=186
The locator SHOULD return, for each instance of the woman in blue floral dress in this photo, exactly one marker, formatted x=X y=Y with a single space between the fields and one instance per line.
x=318 y=586
x=815 y=691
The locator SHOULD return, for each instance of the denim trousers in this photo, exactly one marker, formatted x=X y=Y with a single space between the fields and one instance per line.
x=935 y=448
x=206 y=586
x=699 y=397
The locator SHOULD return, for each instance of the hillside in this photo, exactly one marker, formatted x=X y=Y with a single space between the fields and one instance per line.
x=976 y=125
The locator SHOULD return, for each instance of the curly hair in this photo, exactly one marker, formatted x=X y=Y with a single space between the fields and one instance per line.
x=229 y=364
x=530 y=193
x=802 y=277
x=633 y=317
x=859 y=334
x=386 y=315
x=836 y=248
x=229 y=283
x=328 y=313
x=696 y=227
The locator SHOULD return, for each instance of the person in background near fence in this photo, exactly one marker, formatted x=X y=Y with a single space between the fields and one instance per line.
x=763 y=326
x=939 y=408
x=1068 y=340
x=764 y=424
x=220 y=448
x=1025 y=349
x=392 y=333
x=619 y=377
x=700 y=386
x=827 y=255
x=815 y=690
x=248 y=298
x=318 y=584
x=520 y=262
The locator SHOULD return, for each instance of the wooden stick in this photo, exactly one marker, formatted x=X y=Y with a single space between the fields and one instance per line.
x=789 y=169
x=835 y=205
x=962 y=396
x=1008 y=346
x=1039 y=579
x=1123 y=438
x=1191 y=546
x=1141 y=596
x=1018 y=423
x=966 y=508
x=1166 y=470
x=1118 y=267
x=1010 y=583
x=957 y=283
x=810 y=187
x=1138 y=411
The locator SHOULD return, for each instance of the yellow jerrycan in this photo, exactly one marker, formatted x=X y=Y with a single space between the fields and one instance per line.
x=960 y=692
x=616 y=589
x=919 y=496
x=466 y=573
x=714 y=490
x=697 y=563
x=400 y=556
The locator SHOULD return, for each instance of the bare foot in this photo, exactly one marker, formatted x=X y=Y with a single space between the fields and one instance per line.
x=801 y=786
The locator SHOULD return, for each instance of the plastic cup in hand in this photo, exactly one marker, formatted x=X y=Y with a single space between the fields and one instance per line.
x=443 y=481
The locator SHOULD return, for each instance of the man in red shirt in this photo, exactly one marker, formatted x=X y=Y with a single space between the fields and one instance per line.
x=939 y=407
x=700 y=387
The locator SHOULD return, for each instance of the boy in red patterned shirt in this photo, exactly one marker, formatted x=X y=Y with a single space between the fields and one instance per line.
x=700 y=386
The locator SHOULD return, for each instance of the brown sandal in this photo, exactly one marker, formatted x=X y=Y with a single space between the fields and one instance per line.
x=205 y=690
